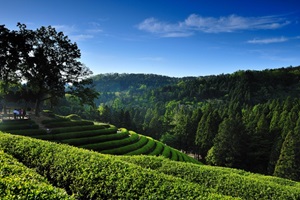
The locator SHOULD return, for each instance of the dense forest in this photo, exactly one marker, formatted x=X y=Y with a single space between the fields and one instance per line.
x=247 y=119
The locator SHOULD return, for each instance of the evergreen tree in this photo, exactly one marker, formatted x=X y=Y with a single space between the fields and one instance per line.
x=288 y=165
x=207 y=130
x=229 y=144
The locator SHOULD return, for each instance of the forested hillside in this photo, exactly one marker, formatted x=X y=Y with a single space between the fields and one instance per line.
x=248 y=119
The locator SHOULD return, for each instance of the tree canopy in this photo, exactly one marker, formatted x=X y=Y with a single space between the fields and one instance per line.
x=46 y=61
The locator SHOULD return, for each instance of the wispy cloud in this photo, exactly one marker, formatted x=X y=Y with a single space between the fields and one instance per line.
x=81 y=37
x=66 y=29
x=95 y=28
x=196 y=23
x=268 y=40
x=164 y=29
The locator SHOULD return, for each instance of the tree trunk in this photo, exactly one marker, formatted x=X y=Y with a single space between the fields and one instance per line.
x=37 y=107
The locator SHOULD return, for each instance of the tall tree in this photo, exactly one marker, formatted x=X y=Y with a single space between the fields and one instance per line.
x=50 y=63
x=10 y=43
x=229 y=144
x=288 y=164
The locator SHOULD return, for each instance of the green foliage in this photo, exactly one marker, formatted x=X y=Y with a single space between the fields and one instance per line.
x=90 y=175
x=236 y=183
x=72 y=135
x=16 y=126
x=68 y=123
x=114 y=146
x=19 y=182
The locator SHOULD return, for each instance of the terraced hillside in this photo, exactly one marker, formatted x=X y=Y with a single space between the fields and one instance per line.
x=37 y=169
x=102 y=138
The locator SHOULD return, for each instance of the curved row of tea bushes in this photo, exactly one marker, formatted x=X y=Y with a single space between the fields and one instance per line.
x=20 y=182
x=68 y=123
x=157 y=150
x=226 y=181
x=144 y=149
x=95 y=139
x=78 y=128
x=166 y=152
x=18 y=126
x=123 y=149
x=111 y=144
x=55 y=120
x=28 y=132
x=90 y=175
x=71 y=135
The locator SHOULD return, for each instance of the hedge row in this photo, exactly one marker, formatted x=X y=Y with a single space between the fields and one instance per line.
x=16 y=126
x=123 y=149
x=20 y=182
x=166 y=152
x=15 y=121
x=111 y=144
x=158 y=149
x=56 y=120
x=72 y=135
x=78 y=128
x=226 y=181
x=95 y=139
x=144 y=149
x=90 y=175
x=28 y=132
x=68 y=123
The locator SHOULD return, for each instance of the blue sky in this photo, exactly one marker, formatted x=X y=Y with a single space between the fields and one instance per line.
x=170 y=37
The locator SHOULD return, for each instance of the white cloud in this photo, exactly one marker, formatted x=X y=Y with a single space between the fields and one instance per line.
x=195 y=23
x=233 y=23
x=268 y=40
x=81 y=37
x=164 y=29
x=66 y=29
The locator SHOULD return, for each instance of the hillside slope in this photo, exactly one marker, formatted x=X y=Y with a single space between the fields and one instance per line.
x=89 y=175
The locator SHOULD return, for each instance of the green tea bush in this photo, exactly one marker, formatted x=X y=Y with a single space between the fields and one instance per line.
x=226 y=181
x=79 y=128
x=28 y=132
x=68 y=123
x=102 y=146
x=174 y=155
x=72 y=135
x=95 y=139
x=123 y=149
x=20 y=182
x=55 y=120
x=90 y=175
x=144 y=149
x=73 y=117
x=15 y=126
x=158 y=149
x=166 y=152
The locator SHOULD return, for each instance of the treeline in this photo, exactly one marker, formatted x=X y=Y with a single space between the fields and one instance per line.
x=248 y=119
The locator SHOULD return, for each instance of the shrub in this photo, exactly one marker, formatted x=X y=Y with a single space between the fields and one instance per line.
x=72 y=135
x=22 y=126
x=20 y=182
x=95 y=139
x=90 y=175
x=68 y=123
x=80 y=128
x=103 y=146
x=73 y=117
x=123 y=149
x=166 y=152
x=158 y=149
x=226 y=181
x=144 y=149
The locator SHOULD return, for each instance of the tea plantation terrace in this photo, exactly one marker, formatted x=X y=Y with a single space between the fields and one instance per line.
x=100 y=137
